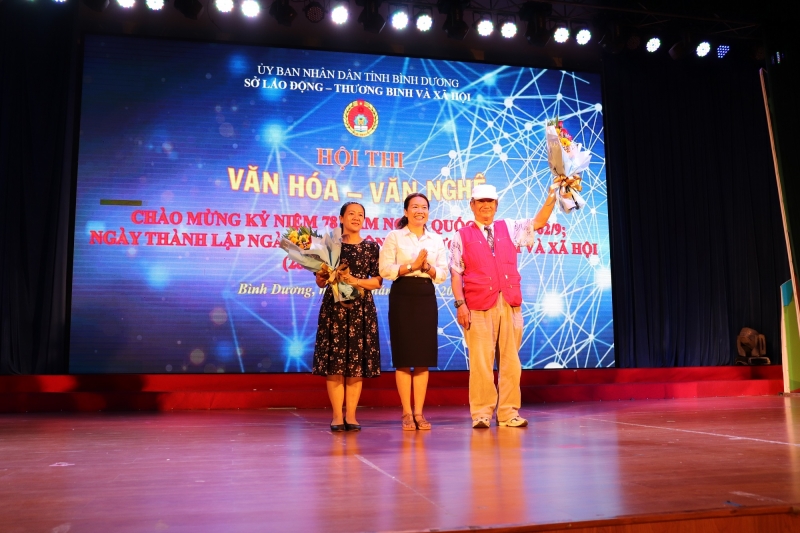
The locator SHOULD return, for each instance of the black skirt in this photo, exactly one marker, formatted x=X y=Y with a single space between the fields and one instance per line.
x=413 y=323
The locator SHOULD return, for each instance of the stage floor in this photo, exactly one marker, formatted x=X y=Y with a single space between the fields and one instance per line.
x=282 y=470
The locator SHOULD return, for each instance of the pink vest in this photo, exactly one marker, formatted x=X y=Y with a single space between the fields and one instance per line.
x=486 y=275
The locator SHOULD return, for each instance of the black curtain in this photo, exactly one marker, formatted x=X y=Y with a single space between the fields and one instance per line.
x=36 y=64
x=698 y=248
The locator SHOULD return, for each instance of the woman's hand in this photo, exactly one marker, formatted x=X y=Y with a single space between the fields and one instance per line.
x=420 y=260
x=321 y=279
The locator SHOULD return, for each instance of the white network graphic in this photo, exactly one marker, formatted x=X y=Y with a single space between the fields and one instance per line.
x=567 y=308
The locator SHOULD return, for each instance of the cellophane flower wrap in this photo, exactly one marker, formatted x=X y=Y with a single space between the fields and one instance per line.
x=567 y=159
x=321 y=253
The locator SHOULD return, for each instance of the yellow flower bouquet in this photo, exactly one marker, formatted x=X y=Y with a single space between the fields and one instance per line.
x=301 y=237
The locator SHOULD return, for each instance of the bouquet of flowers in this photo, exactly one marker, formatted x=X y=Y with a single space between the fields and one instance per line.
x=567 y=159
x=301 y=237
x=321 y=254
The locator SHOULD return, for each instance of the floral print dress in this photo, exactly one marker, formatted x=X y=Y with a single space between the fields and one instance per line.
x=347 y=337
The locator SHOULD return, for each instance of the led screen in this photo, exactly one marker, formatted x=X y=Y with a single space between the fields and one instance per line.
x=194 y=158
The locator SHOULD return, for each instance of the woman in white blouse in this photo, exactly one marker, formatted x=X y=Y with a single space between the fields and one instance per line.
x=414 y=259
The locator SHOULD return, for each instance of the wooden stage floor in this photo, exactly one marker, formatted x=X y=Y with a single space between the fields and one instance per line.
x=659 y=465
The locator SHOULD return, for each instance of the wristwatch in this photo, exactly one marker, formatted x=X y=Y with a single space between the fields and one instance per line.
x=408 y=266
x=458 y=303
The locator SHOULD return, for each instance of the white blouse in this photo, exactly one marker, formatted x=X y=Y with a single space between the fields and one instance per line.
x=401 y=247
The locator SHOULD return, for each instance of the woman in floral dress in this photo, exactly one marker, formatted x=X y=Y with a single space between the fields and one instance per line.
x=348 y=347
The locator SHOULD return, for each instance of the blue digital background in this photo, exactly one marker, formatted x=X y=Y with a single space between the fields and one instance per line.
x=162 y=122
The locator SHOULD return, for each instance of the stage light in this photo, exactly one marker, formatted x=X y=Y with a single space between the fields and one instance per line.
x=127 y=4
x=96 y=5
x=535 y=14
x=250 y=8
x=340 y=14
x=703 y=49
x=57 y=1
x=190 y=9
x=155 y=5
x=314 y=12
x=485 y=27
x=283 y=13
x=224 y=6
x=398 y=17
x=653 y=44
x=399 y=20
x=483 y=24
x=722 y=50
x=561 y=34
x=508 y=29
x=454 y=25
x=370 y=19
x=424 y=21
x=581 y=30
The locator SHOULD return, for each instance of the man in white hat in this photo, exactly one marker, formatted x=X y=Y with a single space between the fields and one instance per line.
x=486 y=289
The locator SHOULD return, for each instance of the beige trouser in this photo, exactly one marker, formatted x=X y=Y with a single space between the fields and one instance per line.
x=494 y=331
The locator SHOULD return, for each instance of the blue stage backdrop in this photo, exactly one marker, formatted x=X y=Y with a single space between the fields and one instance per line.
x=194 y=159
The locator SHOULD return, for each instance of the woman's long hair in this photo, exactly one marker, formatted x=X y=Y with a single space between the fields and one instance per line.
x=403 y=222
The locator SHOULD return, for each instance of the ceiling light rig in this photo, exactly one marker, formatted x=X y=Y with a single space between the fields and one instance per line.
x=282 y=12
x=370 y=18
x=454 y=25
x=191 y=9
x=614 y=39
x=585 y=24
x=96 y=5
x=535 y=14
x=678 y=50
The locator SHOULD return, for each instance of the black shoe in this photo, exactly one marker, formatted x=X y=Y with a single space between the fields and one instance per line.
x=338 y=428
x=351 y=427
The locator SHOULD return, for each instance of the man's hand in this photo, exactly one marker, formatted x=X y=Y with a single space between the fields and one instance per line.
x=463 y=316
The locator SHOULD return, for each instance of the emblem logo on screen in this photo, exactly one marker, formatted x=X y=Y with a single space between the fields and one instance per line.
x=360 y=118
